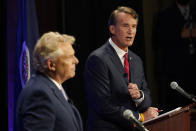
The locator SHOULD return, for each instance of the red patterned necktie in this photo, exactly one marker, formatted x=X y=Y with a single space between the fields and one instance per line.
x=126 y=65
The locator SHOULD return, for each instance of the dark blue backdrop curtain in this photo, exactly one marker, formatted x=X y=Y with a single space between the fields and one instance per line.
x=27 y=35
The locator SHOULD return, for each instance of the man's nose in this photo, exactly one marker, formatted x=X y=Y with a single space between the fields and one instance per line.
x=76 y=60
x=130 y=30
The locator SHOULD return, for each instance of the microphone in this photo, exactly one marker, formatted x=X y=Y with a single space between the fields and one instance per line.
x=129 y=116
x=175 y=86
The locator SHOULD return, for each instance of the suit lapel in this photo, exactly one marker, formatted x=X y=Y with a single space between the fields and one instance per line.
x=62 y=99
x=131 y=67
x=57 y=92
x=78 y=118
x=116 y=62
x=67 y=105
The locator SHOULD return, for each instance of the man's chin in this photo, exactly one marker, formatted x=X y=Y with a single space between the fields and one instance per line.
x=129 y=44
x=73 y=75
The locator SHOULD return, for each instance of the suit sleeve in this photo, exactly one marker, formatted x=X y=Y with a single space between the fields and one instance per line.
x=140 y=80
x=37 y=114
x=146 y=103
x=98 y=90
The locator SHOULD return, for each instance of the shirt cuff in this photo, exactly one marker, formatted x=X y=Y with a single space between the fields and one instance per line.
x=139 y=119
x=138 y=101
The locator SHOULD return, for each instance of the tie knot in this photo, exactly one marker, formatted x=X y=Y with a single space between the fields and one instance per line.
x=125 y=55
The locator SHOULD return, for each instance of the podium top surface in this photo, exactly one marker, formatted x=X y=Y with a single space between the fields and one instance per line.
x=169 y=113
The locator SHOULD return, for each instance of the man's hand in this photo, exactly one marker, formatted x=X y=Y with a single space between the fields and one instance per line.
x=150 y=113
x=134 y=91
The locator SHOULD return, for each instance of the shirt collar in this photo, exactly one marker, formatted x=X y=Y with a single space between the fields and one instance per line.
x=56 y=83
x=182 y=9
x=118 y=50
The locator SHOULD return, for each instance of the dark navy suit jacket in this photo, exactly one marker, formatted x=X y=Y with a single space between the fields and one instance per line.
x=42 y=107
x=107 y=90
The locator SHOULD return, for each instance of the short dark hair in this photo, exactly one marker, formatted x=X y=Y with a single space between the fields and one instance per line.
x=128 y=10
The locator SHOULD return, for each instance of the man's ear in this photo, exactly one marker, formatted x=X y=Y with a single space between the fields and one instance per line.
x=51 y=65
x=112 y=29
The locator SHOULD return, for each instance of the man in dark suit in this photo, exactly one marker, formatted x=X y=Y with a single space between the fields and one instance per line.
x=110 y=88
x=43 y=104
x=176 y=35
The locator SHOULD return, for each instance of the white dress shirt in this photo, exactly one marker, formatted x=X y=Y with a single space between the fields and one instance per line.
x=185 y=11
x=60 y=87
x=121 y=54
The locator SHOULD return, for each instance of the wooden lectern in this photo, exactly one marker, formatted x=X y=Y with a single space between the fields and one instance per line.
x=179 y=119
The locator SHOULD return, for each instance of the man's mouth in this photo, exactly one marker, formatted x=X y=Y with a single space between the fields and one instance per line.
x=129 y=38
